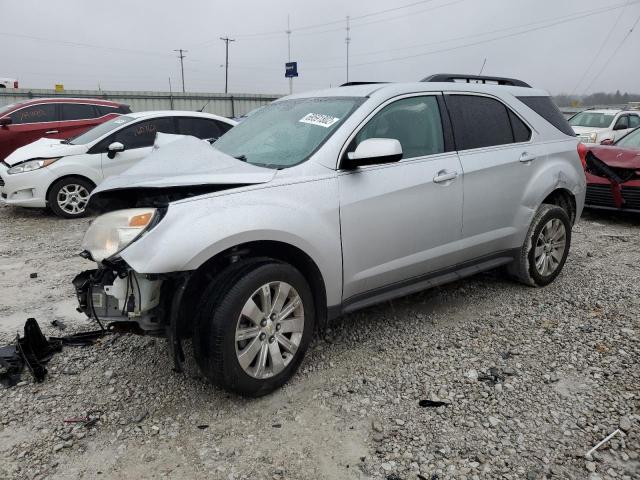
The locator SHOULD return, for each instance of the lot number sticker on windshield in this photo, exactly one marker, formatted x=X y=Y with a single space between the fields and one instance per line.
x=319 y=119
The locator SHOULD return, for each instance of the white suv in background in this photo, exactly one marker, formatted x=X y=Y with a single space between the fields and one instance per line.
x=596 y=126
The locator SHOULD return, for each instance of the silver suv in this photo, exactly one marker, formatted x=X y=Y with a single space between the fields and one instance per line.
x=324 y=203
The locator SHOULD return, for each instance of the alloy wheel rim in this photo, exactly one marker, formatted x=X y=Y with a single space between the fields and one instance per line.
x=73 y=198
x=550 y=247
x=269 y=330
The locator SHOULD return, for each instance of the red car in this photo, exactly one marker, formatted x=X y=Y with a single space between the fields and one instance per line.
x=613 y=173
x=26 y=122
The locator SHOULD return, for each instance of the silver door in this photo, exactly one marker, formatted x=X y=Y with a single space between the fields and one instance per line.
x=401 y=220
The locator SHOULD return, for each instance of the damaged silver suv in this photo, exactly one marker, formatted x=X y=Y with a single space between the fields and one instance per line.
x=328 y=202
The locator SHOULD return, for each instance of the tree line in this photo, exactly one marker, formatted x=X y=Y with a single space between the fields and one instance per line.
x=599 y=98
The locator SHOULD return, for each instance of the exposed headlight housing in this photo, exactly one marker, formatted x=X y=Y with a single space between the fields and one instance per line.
x=31 y=165
x=112 y=232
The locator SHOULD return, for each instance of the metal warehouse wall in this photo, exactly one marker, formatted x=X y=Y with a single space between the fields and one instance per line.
x=228 y=105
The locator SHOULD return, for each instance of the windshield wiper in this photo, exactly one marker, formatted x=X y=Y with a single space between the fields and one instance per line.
x=242 y=158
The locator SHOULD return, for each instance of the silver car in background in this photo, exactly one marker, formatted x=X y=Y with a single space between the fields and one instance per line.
x=324 y=203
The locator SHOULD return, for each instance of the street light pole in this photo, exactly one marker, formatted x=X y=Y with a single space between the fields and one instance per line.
x=226 y=40
x=347 y=41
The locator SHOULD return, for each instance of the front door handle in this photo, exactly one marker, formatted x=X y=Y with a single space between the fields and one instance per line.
x=444 y=176
x=49 y=132
x=527 y=157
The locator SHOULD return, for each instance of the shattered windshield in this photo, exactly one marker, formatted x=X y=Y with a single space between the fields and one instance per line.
x=632 y=140
x=287 y=133
x=591 y=119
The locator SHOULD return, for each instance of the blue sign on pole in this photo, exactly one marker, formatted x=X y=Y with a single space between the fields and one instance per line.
x=291 y=69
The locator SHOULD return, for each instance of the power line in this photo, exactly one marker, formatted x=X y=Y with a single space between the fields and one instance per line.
x=597 y=55
x=226 y=40
x=613 y=55
x=181 y=57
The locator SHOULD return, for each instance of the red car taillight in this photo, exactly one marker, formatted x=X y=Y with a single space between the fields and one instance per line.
x=15 y=84
x=582 y=153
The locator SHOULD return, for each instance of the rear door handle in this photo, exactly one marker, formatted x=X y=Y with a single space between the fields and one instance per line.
x=527 y=157
x=50 y=131
x=444 y=176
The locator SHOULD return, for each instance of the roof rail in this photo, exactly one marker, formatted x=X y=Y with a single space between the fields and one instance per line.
x=351 y=84
x=454 y=77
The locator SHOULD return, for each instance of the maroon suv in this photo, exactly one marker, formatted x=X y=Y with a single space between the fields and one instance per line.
x=26 y=122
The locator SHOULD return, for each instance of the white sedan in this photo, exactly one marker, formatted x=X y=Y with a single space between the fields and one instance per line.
x=60 y=174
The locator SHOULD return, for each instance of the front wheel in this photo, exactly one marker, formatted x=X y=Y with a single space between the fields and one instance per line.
x=252 y=337
x=545 y=249
x=69 y=196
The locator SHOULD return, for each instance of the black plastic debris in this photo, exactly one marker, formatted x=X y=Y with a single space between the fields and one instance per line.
x=34 y=351
x=58 y=324
x=33 y=275
x=203 y=427
x=431 y=403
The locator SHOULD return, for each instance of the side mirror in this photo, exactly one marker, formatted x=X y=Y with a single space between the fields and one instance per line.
x=114 y=148
x=374 y=151
x=5 y=121
x=607 y=141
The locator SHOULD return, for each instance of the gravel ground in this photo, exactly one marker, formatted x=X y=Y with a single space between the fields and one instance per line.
x=530 y=380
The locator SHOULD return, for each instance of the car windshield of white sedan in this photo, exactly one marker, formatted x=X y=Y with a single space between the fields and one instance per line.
x=631 y=140
x=288 y=132
x=591 y=119
x=100 y=130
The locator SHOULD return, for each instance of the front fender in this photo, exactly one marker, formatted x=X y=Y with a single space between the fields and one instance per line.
x=78 y=165
x=304 y=215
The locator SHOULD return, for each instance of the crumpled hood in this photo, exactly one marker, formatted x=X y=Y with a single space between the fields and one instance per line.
x=186 y=162
x=617 y=157
x=583 y=130
x=44 y=148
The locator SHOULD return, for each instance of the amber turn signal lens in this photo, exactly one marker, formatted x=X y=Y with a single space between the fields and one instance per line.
x=140 y=220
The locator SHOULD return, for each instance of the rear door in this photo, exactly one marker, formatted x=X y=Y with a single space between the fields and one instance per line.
x=31 y=123
x=137 y=139
x=498 y=158
x=76 y=118
x=203 y=128
x=402 y=220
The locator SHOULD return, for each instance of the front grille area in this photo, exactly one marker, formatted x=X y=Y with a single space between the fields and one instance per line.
x=602 y=196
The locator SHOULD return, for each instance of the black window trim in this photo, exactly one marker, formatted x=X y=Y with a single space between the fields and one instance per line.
x=96 y=110
x=445 y=122
x=509 y=109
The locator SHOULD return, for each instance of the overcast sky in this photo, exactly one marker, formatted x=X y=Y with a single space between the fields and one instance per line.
x=128 y=45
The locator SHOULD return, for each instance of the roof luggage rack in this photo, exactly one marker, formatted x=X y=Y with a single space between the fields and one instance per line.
x=454 y=77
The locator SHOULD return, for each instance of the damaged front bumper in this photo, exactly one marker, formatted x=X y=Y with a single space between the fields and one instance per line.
x=122 y=296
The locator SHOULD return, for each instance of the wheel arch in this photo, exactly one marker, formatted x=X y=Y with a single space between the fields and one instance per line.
x=71 y=175
x=565 y=199
x=276 y=250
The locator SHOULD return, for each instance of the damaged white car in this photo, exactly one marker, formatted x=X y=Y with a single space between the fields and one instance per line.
x=324 y=203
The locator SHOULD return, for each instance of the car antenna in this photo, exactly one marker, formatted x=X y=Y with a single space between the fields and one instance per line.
x=203 y=106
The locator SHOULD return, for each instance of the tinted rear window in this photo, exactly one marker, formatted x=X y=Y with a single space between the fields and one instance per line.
x=77 y=111
x=548 y=110
x=479 y=121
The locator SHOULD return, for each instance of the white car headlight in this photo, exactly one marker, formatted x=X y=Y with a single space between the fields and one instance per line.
x=31 y=165
x=110 y=233
x=593 y=137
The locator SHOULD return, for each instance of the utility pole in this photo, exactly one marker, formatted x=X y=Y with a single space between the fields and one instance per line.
x=181 y=57
x=347 y=41
x=289 y=55
x=226 y=40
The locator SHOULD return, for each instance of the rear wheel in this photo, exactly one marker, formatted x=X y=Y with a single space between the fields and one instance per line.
x=252 y=337
x=546 y=247
x=69 y=196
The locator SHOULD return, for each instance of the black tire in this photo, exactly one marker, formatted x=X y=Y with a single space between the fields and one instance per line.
x=523 y=268
x=214 y=335
x=56 y=194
